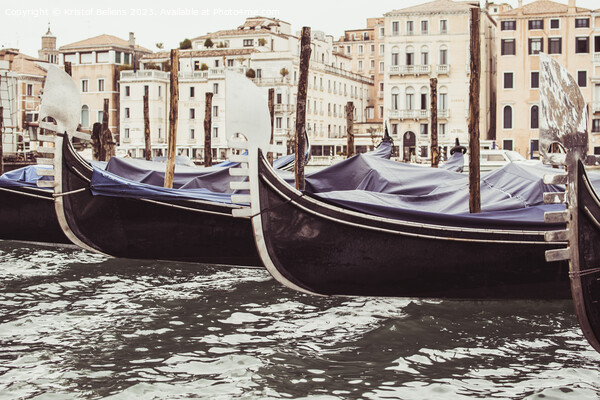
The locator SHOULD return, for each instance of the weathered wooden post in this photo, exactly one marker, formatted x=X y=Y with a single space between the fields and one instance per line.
x=147 y=139
x=435 y=152
x=475 y=63
x=68 y=67
x=1 y=139
x=305 y=51
x=349 y=129
x=272 y=112
x=207 y=126
x=173 y=112
x=106 y=141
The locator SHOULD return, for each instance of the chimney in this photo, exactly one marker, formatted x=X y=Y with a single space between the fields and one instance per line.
x=520 y=3
x=572 y=6
x=131 y=40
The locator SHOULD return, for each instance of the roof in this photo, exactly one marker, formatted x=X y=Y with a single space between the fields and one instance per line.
x=237 y=32
x=200 y=53
x=436 y=6
x=543 y=7
x=101 y=41
x=22 y=63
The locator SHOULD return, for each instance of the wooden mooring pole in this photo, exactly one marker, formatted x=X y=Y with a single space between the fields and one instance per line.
x=475 y=64
x=272 y=112
x=207 y=127
x=173 y=111
x=305 y=51
x=147 y=139
x=68 y=68
x=107 y=144
x=435 y=150
x=349 y=129
x=1 y=140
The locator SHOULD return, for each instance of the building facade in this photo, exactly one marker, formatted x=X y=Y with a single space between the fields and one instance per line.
x=265 y=50
x=432 y=40
x=95 y=64
x=569 y=34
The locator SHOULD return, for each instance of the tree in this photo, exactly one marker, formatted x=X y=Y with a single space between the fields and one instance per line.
x=160 y=45
x=251 y=73
x=262 y=42
x=203 y=67
x=208 y=43
x=185 y=44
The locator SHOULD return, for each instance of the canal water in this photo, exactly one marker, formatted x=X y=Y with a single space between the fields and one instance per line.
x=75 y=325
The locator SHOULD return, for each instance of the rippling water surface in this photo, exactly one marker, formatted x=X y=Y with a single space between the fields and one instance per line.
x=78 y=325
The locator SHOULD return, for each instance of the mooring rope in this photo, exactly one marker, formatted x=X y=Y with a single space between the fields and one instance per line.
x=578 y=274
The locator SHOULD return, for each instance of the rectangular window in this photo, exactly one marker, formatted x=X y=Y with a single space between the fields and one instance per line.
x=192 y=91
x=215 y=111
x=126 y=58
x=127 y=91
x=215 y=88
x=382 y=48
x=117 y=57
x=248 y=42
x=596 y=125
x=159 y=91
x=126 y=133
x=217 y=64
x=424 y=27
x=278 y=122
x=196 y=65
x=555 y=45
x=395 y=28
x=127 y=112
x=555 y=24
x=582 y=78
x=29 y=89
x=192 y=113
x=508 y=80
x=410 y=27
x=372 y=49
x=442 y=129
x=101 y=85
x=192 y=133
x=443 y=26
x=100 y=116
x=507 y=47
x=278 y=98
x=84 y=86
x=535 y=80
x=582 y=22
x=360 y=65
x=360 y=49
x=536 y=24
x=216 y=132
x=372 y=65
x=508 y=25
x=597 y=44
x=230 y=63
x=582 y=45
x=536 y=45
x=507 y=144
x=381 y=67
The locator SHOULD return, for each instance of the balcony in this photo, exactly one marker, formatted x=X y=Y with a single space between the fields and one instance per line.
x=408 y=114
x=271 y=81
x=282 y=108
x=443 y=114
x=410 y=70
x=144 y=73
x=443 y=69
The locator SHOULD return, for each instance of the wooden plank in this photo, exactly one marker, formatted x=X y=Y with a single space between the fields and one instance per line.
x=556 y=236
x=46 y=184
x=244 y=185
x=558 y=255
x=241 y=158
x=272 y=113
x=44 y=171
x=239 y=172
x=558 y=179
x=305 y=51
x=241 y=198
x=474 y=90
x=435 y=152
x=45 y=161
x=147 y=137
x=207 y=127
x=349 y=129
x=245 y=212
x=173 y=112
x=554 y=197
x=556 y=217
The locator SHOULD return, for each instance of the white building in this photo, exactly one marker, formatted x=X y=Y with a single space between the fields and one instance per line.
x=264 y=49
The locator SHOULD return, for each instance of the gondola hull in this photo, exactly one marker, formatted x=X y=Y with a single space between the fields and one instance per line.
x=324 y=249
x=183 y=230
x=27 y=214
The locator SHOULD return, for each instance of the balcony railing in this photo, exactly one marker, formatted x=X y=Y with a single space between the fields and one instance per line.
x=410 y=70
x=408 y=114
x=445 y=113
x=284 y=107
x=271 y=81
x=145 y=73
x=443 y=69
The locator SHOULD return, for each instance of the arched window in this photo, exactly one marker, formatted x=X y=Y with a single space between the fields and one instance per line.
x=424 y=97
x=507 y=124
x=535 y=117
x=85 y=116
x=410 y=55
x=395 y=93
x=443 y=55
x=410 y=98
x=395 y=55
x=424 y=55
x=443 y=98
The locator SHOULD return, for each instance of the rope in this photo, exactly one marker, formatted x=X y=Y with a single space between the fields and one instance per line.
x=578 y=274
x=295 y=197
x=68 y=193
